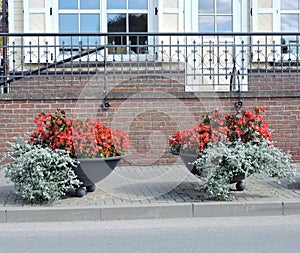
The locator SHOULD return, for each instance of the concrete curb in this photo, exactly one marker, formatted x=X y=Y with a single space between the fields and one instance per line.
x=149 y=211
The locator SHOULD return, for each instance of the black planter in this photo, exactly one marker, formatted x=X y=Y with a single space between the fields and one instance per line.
x=237 y=178
x=189 y=159
x=92 y=170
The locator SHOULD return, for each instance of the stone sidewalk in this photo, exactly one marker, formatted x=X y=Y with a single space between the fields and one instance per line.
x=133 y=192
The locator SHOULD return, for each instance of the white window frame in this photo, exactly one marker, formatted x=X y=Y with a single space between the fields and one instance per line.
x=290 y=55
x=239 y=9
x=239 y=24
x=49 y=21
x=152 y=23
x=276 y=12
x=179 y=11
x=46 y=52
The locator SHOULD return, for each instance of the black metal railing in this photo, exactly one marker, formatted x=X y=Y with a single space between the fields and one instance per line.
x=193 y=61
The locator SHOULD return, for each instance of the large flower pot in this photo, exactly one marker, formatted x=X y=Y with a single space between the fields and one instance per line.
x=188 y=160
x=92 y=170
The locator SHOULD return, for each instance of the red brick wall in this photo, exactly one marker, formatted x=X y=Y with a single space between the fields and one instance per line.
x=150 y=108
x=151 y=118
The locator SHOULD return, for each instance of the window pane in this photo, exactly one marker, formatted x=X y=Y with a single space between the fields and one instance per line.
x=265 y=22
x=224 y=6
x=90 y=4
x=68 y=4
x=206 y=24
x=265 y=3
x=90 y=23
x=116 y=4
x=116 y=23
x=138 y=23
x=38 y=19
x=289 y=4
x=137 y=4
x=206 y=6
x=289 y=23
x=171 y=3
x=33 y=4
x=68 y=23
x=224 y=24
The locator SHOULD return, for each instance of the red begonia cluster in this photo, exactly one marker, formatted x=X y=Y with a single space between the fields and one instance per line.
x=54 y=131
x=214 y=127
x=211 y=129
x=83 y=139
x=248 y=126
x=91 y=139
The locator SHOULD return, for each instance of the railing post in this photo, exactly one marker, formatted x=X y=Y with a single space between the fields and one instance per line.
x=4 y=62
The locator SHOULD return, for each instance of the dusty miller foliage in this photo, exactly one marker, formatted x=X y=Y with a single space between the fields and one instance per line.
x=39 y=173
x=219 y=163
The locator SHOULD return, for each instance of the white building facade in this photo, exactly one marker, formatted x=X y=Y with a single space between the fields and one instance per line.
x=160 y=16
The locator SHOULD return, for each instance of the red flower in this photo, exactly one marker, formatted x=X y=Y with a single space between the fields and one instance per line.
x=247 y=126
x=211 y=129
x=82 y=139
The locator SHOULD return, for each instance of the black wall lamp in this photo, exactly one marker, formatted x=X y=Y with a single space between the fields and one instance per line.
x=105 y=104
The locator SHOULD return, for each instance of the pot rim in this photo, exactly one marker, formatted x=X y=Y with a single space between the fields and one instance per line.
x=103 y=158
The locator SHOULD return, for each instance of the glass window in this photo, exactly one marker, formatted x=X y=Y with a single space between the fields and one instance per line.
x=206 y=23
x=90 y=4
x=290 y=22
x=224 y=23
x=116 y=23
x=138 y=4
x=206 y=6
x=116 y=4
x=85 y=16
x=138 y=23
x=73 y=4
x=72 y=20
x=90 y=23
x=134 y=18
x=224 y=6
x=68 y=4
x=215 y=15
x=68 y=23
x=289 y=5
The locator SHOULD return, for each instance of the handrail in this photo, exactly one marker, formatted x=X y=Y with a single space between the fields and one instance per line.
x=205 y=34
x=55 y=64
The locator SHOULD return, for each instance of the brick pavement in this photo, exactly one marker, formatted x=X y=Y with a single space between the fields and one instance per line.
x=156 y=186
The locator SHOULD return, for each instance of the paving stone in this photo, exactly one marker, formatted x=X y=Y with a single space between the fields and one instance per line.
x=159 y=186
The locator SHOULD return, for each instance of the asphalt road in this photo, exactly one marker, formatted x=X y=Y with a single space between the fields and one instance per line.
x=234 y=234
